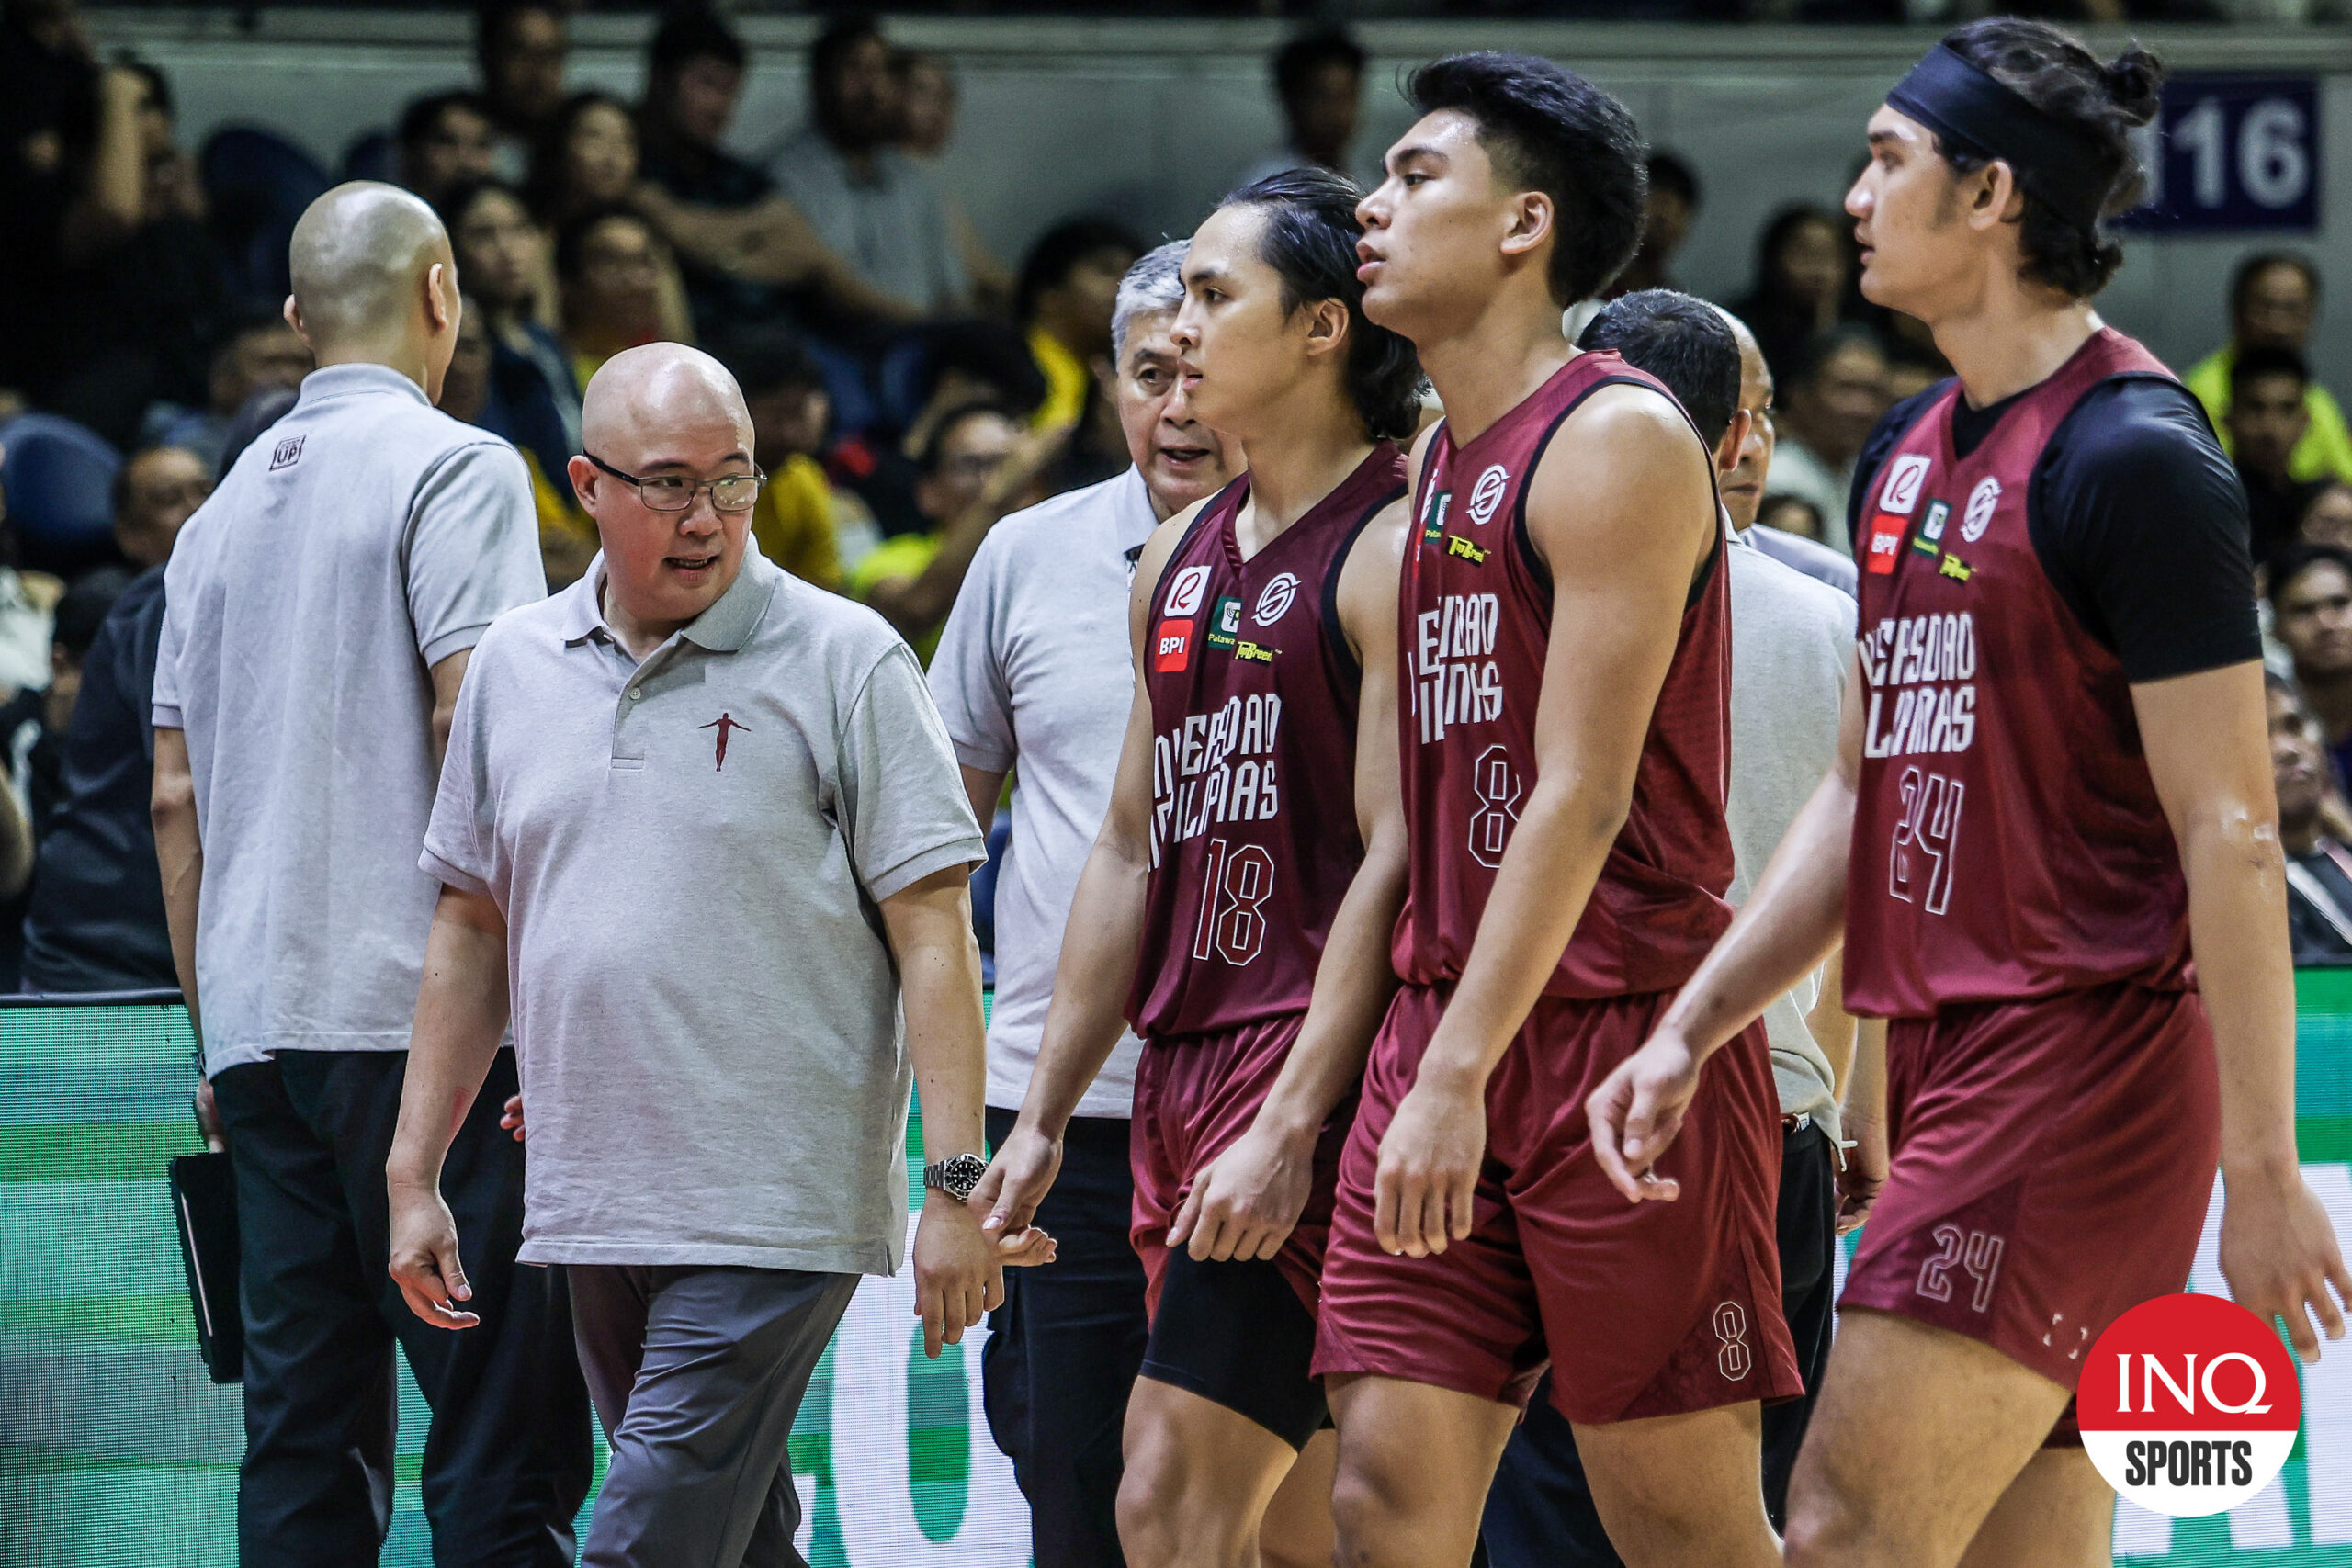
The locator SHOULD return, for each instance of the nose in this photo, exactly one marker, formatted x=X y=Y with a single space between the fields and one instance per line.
x=1859 y=199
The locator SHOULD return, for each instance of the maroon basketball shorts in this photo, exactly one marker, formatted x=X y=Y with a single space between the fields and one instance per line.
x=1193 y=1097
x=2053 y=1164
x=1640 y=1309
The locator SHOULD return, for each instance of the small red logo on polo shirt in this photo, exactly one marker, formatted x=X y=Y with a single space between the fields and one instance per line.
x=724 y=724
x=2188 y=1405
x=1173 y=648
x=1886 y=544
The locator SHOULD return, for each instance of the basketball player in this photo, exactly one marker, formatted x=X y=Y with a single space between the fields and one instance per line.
x=1227 y=867
x=1565 y=631
x=2053 y=788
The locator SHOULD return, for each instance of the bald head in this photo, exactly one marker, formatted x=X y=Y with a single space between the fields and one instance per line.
x=361 y=255
x=653 y=403
x=1742 y=486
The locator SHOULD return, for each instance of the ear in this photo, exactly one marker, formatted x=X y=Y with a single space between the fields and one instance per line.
x=440 y=306
x=1996 y=196
x=293 y=311
x=1735 y=438
x=585 y=476
x=1530 y=224
x=1327 y=326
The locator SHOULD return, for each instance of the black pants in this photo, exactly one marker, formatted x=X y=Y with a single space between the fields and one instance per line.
x=1540 y=1510
x=507 y=1459
x=1062 y=1351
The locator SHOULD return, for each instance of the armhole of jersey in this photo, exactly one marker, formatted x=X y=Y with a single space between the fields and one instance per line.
x=1335 y=636
x=1536 y=570
x=1184 y=541
x=1924 y=403
x=2069 y=591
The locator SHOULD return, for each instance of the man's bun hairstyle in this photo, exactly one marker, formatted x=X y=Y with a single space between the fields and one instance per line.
x=2051 y=70
x=1548 y=130
x=1310 y=242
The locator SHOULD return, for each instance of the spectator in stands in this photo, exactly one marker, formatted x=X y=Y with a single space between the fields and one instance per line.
x=2311 y=604
x=531 y=398
x=1793 y=515
x=1804 y=285
x=1673 y=203
x=1836 y=394
x=2319 y=867
x=33 y=726
x=801 y=519
x=1318 y=82
x=2327 y=517
x=1744 y=486
x=2273 y=303
x=445 y=140
x=588 y=159
x=567 y=535
x=154 y=492
x=619 y=286
x=869 y=202
x=137 y=297
x=95 y=920
x=949 y=364
x=978 y=465
x=1069 y=284
x=2268 y=415
x=257 y=353
x=520 y=47
x=927 y=102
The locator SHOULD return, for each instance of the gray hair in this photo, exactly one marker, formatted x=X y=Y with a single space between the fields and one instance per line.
x=1154 y=284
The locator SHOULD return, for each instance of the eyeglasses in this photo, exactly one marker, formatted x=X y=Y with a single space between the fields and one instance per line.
x=676 y=492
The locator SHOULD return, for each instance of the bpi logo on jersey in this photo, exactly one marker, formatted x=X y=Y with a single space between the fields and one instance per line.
x=1275 y=600
x=1903 y=481
x=1184 y=592
x=1489 y=492
x=1173 y=648
x=1979 y=515
x=2188 y=1405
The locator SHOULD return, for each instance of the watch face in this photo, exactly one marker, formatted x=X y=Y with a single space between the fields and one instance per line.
x=959 y=1174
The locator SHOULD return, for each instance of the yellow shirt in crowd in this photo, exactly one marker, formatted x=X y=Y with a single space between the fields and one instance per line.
x=905 y=556
x=2325 y=450
x=794 y=522
x=1067 y=379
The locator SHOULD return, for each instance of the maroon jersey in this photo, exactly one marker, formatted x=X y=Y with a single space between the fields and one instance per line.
x=1253 y=722
x=2008 y=840
x=1475 y=615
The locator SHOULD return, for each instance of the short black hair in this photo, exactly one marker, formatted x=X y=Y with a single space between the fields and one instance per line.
x=2296 y=559
x=935 y=446
x=422 y=118
x=2253 y=266
x=694 y=33
x=1827 y=344
x=571 y=239
x=459 y=198
x=1058 y=251
x=1296 y=61
x=492 y=18
x=2259 y=360
x=84 y=608
x=2051 y=70
x=991 y=353
x=769 y=359
x=1551 y=130
x=842 y=32
x=1685 y=343
x=1668 y=173
x=1309 y=240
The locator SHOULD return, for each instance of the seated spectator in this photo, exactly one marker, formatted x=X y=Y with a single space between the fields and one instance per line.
x=869 y=202
x=2319 y=867
x=1791 y=514
x=742 y=245
x=2327 y=517
x=802 y=523
x=1318 y=83
x=2273 y=303
x=927 y=100
x=156 y=492
x=1828 y=409
x=445 y=140
x=1804 y=286
x=502 y=262
x=978 y=465
x=567 y=535
x=938 y=368
x=520 y=48
x=2268 y=415
x=1069 y=284
x=619 y=289
x=258 y=352
x=1673 y=204
x=588 y=159
x=33 y=726
x=2311 y=604
x=95 y=919
x=135 y=295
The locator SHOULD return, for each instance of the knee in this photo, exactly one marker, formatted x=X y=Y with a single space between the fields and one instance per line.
x=1821 y=1531
x=1365 y=1521
x=1153 y=1510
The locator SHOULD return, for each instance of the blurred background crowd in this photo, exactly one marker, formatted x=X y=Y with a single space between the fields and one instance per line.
x=909 y=384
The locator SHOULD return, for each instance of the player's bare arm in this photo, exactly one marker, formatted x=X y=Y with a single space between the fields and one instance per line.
x=2209 y=757
x=1792 y=921
x=1621 y=509
x=1099 y=947
x=1247 y=1200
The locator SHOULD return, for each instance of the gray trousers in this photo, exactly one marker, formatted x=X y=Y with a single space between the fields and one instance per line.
x=697 y=1374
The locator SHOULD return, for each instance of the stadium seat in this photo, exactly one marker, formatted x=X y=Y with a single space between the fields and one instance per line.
x=259 y=183
x=59 y=477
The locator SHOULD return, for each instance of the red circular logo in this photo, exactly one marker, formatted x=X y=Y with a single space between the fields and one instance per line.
x=2189 y=1404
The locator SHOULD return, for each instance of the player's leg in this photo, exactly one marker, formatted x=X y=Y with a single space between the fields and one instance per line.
x=1918 y=1433
x=1677 y=1489
x=1296 y=1531
x=2058 y=1512
x=1197 y=1482
x=1414 y=1464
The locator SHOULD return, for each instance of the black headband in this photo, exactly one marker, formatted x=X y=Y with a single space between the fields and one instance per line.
x=1977 y=116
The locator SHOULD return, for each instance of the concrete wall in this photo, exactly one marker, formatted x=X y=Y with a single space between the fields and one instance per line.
x=1150 y=119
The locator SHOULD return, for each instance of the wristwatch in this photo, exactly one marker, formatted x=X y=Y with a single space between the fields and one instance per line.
x=957 y=1176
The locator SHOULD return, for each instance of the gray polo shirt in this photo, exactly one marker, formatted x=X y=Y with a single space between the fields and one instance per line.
x=1792 y=642
x=363 y=539
x=1035 y=676
x=890 y=224
x=689 y=853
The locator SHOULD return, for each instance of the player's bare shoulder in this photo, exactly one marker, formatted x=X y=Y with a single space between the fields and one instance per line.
x=1371 y=578
x=1622 y=465
x=1153 y=561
